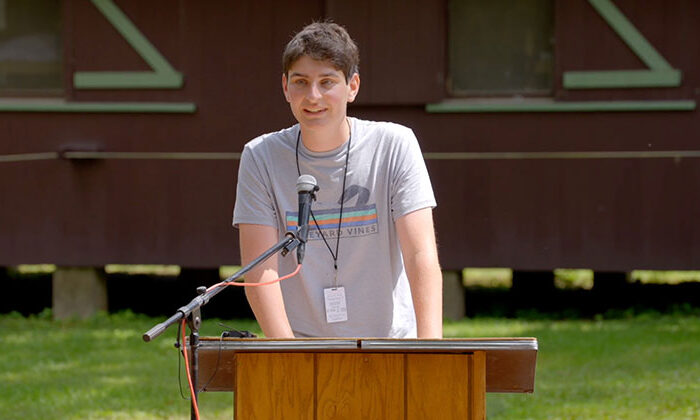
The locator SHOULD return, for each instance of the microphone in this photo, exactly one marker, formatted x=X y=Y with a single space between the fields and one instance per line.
x=306 y=188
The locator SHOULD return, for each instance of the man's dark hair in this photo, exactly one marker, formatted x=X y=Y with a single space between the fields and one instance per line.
x=323 y=41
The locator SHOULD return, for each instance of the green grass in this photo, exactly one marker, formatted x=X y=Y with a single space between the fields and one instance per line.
x=96 y=369
x=639 y=368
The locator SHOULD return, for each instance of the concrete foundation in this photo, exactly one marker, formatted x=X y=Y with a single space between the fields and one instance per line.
x=78 y=292
x=453 y=295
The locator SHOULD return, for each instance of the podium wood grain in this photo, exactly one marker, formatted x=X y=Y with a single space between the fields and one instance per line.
x=344 y=385
x=445 y=386
x=274 y=386
x=477 y=385
x=354 y=386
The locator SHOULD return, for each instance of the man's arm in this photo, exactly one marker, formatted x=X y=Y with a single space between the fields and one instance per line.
x=419 y=250
x=266 y=301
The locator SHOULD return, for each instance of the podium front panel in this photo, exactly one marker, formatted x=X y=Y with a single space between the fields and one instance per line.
x=274 y=386
x=359 y=385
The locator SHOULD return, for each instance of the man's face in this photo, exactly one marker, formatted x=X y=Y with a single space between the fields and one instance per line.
x=318 y=93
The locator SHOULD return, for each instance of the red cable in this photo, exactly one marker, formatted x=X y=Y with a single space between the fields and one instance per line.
x=232 y=283
x=187 y=368
x=184 y=327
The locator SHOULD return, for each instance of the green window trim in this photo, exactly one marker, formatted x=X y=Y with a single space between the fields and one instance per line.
x=548 y=105
x=660 y=73
x=629 y=33
x=126 y=80
x=96 y=107
x=621 y=79
x=163 y=76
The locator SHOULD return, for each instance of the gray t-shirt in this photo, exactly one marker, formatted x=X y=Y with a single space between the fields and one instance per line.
x=386 y=179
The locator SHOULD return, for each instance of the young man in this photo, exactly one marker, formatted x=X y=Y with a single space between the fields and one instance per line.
x=371 y=266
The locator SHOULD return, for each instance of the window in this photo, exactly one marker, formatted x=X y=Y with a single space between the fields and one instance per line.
x=30 y=47
x=500 y=47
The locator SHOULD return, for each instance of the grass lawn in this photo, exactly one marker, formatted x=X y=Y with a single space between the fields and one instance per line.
x=639 y=368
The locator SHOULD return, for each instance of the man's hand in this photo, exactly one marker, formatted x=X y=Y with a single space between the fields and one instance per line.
x=266 y=301
x=419 y=250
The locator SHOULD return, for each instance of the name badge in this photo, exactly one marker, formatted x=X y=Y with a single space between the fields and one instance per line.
x=336 y=306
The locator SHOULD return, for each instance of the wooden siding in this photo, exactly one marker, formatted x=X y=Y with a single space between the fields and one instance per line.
x=603 y=213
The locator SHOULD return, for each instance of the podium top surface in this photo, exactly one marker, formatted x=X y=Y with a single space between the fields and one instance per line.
x=510 y=362
x=372 y=344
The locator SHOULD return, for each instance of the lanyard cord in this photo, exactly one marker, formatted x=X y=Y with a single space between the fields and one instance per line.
x=342 y=200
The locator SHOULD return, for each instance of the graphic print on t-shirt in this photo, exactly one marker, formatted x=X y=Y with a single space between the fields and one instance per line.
x=357 y=221
x=360 y=220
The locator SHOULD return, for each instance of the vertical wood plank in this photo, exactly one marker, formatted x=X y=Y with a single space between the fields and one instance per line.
x=274 y=386
x=354 y=386
x=477 y=385
x=437 y=386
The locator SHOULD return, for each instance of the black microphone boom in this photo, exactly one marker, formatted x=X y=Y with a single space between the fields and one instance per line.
x=306 y=188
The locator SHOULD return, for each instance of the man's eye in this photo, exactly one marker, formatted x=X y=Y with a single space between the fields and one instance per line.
x=299 y=82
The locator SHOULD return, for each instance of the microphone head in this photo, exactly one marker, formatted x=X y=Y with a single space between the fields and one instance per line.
x=306 y=183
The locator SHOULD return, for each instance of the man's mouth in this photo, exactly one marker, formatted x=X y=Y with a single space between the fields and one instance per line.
x=314 y=111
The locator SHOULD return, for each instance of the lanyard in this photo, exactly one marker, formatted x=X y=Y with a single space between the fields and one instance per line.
x=334 y=255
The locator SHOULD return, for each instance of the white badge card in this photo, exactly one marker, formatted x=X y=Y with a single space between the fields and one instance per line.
x=336 y=306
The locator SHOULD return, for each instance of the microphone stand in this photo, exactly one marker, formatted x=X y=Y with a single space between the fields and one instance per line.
x=192 y=311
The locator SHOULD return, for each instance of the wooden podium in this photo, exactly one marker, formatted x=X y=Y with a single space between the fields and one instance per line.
x=367 y=379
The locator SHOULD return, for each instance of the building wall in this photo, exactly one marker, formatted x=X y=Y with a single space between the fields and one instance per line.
x=609 y=190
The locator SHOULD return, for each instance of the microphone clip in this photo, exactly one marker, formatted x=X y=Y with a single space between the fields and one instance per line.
x=291 y=245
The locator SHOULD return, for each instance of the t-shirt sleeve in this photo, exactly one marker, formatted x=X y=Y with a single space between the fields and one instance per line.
x=254 y=203
x=411 y=189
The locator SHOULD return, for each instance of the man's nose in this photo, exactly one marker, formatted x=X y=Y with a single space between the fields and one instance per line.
x=314 y=91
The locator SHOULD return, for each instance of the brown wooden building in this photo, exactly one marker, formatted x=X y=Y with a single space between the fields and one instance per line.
x=558 y=133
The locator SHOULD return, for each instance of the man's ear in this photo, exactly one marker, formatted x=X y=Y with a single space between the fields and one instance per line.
x=353 y=87
x=284 y=87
